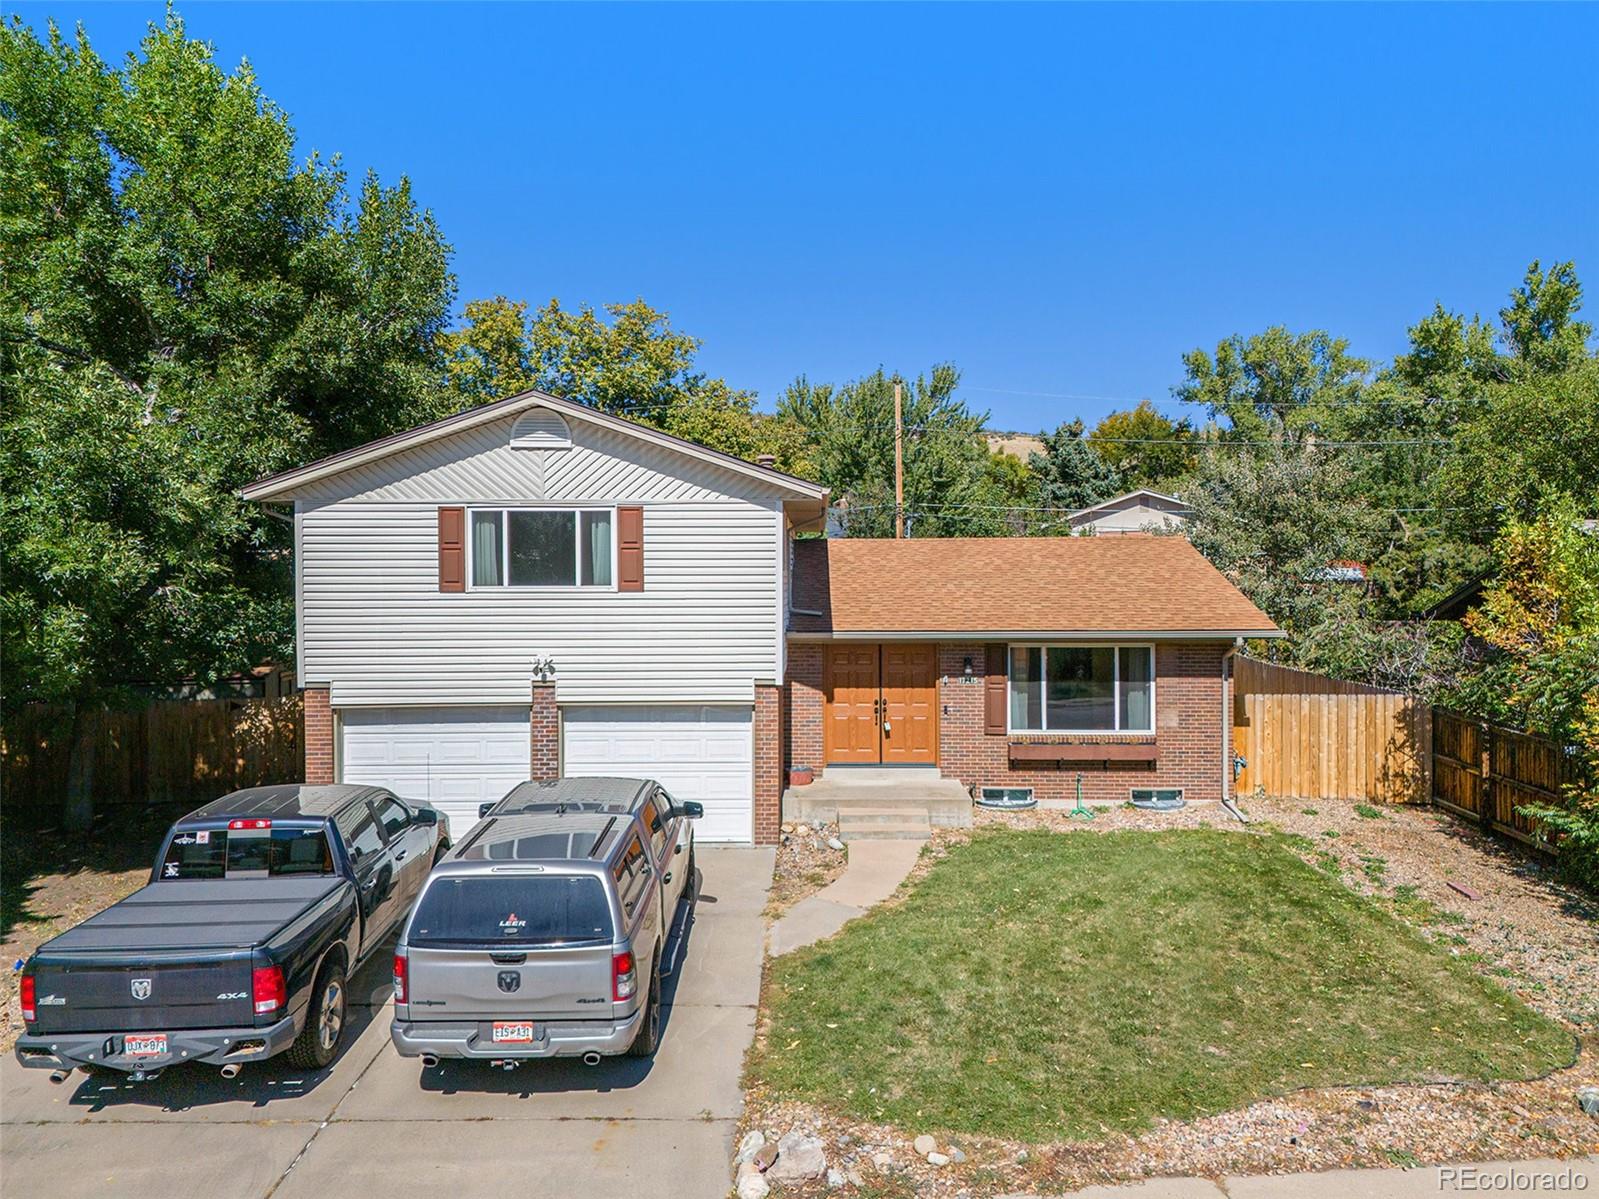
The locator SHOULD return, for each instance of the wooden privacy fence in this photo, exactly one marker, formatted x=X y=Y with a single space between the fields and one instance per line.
x=1311 y=737
x=171 y=751
x=1486 y=772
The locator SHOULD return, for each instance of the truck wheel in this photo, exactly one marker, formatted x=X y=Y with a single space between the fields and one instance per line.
x=324 y=1022
x=648 y=1036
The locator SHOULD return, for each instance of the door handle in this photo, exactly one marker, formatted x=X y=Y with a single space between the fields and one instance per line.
x=667 y=877
x=369 y=884
x=400 y=857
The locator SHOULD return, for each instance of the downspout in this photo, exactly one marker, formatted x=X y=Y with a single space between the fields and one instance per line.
x=1227 y=800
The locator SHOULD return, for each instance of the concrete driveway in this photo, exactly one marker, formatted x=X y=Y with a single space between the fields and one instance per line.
x=378 y=1124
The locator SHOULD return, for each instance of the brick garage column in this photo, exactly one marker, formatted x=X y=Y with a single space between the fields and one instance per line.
x=318 y=736
x=768 y=762
x=545 y=751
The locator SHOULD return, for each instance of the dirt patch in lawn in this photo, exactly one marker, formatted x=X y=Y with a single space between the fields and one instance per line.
x=805 y=864
x=1534 y=935
x=1526 y=932
x=51 y=880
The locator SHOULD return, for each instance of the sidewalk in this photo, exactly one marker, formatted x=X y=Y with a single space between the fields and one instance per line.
x=875 y=871
x=1572 y=1176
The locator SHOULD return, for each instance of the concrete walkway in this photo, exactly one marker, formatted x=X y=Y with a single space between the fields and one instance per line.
x=875 y=871
x=1579 y=1175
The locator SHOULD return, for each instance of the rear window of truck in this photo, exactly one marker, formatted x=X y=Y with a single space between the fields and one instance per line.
x=543 y=910
x=246 y=853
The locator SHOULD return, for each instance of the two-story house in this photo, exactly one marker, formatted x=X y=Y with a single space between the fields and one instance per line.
x=535 y=588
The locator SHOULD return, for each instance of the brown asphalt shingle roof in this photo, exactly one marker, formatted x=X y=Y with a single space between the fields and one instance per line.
x=1133 y=583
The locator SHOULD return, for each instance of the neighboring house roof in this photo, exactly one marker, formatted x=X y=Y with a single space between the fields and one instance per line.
x=1340 y=570
x=282 y=484
x=1143 y=494
x=1458 y=602
x=1000 y=587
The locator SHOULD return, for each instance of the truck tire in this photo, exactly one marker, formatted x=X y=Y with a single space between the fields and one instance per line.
x=318 y=1041
x=648 y=1037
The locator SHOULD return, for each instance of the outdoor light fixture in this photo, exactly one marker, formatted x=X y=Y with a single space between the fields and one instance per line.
x=968 y=668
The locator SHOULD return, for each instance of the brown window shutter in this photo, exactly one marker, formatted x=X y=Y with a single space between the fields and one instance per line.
x=452 y=549
x=994 y=691
x=630 y=549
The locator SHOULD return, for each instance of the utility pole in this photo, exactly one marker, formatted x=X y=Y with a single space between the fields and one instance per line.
x=899 y=466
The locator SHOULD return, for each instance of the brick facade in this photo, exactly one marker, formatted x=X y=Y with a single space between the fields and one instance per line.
x=1187 y=737
x=545 y=750
x=803 y=744
x=768 y=762
x=318 y=736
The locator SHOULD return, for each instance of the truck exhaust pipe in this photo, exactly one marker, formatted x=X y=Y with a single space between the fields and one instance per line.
x=231 y=1070
x=59 y=1076
x=430 y=1061
x=591 y=1058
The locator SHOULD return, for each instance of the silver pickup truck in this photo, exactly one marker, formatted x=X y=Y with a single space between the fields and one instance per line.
x=542 y=934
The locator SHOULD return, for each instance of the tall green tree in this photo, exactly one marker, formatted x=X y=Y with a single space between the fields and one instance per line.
x=1145 y=447
x=1273 y=523
x=1071 y=471
x=185 y=305
x=1541 y=613
x=849 y=432
x=1275 y=384
x=627 y=360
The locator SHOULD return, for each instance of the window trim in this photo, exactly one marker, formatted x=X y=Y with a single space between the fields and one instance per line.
x=1116 y=708
x=504 y=511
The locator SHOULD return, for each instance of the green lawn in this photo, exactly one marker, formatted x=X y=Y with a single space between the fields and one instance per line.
x=1049 y=986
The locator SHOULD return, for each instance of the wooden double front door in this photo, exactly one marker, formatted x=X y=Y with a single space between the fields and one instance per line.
x=881 y=704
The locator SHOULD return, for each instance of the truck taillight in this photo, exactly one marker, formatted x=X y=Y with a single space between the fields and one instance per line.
x=624 y=978
x=401 y=972
x=249 y=824
x=266 y=985
x=28 y=993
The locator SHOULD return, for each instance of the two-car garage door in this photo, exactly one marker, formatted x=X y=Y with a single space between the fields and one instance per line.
x=460 y=757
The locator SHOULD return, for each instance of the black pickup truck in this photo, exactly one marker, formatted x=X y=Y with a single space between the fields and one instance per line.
x=259 y=906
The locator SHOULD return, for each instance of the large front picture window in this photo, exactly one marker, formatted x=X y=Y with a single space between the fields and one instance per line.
x=1082 y=689
x=541 y=547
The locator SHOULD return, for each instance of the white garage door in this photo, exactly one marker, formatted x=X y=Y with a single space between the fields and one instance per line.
x=701 y=752
x=455 y=758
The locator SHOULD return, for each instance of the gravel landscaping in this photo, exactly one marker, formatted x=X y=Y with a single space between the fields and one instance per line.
x=1524 y=932
x=809 y=856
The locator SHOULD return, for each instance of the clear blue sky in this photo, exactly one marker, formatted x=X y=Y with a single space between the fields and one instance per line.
x=1057 y=199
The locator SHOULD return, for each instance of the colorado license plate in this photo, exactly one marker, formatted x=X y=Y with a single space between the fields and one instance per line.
x=513 y=1032
x=149 y=1045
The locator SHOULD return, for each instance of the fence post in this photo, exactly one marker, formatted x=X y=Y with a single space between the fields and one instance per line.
x=1487 y=766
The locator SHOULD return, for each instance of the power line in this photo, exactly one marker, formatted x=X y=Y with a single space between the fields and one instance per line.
x=1360 y=402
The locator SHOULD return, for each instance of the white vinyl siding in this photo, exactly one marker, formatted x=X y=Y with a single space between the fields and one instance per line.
x=698 y=752
x=376 y=628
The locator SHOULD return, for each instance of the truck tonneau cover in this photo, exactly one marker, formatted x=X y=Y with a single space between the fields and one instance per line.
x=197 y=914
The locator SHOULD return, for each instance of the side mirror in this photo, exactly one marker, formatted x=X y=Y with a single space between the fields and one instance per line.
x=483 y=809
x=693 y=809
x=426 y=816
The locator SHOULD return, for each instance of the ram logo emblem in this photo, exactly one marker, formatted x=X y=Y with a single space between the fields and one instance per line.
x=141 y=988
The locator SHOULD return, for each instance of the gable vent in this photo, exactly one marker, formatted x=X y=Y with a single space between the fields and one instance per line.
x=540 y=429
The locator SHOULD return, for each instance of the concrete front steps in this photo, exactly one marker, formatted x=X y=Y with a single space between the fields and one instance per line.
x=881 y=822
x=884 y=804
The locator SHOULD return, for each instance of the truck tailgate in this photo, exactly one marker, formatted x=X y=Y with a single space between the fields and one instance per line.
x=546 y=983
x=150 y=996
x=173 y=955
